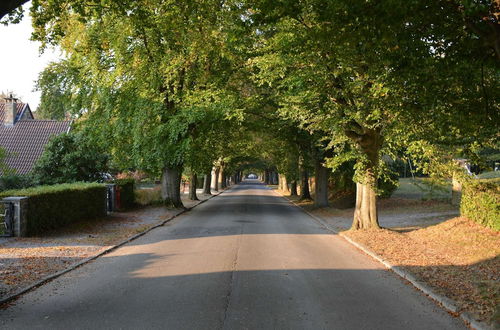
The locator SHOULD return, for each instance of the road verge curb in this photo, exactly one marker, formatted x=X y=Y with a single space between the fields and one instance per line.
x=448 y=304
x=51 y=277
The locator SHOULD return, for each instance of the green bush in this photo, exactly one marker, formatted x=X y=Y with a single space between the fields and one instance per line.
x=54 y=206
x=387 y=184
x=148 y=196
x=13 y=181
x=70 y=157
x=481 y=202
x=127 y=196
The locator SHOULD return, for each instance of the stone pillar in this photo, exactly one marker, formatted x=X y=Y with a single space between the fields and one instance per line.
x=20 y=220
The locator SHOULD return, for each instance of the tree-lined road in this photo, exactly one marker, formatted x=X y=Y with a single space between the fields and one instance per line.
x=246 y=259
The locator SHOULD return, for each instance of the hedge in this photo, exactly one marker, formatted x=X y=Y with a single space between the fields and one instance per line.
x=481 y=202
x=148 y=196
x=127 y=196
x=54 y=206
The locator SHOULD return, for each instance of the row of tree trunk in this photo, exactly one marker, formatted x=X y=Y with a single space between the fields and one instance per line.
x=270 y=176
x=171 y=182
x=369 y=142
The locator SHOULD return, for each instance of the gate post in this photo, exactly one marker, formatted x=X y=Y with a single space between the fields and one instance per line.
x=20 y=219
x=111 y=199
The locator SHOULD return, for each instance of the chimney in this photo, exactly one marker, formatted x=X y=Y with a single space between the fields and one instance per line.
x=10 y=110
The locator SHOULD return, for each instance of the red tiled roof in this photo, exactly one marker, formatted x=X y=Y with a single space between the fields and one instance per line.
x=20 y=107
x=26 y=140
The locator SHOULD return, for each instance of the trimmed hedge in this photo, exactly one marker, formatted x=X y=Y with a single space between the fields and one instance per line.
x=127 y=196
x=54 y=206
x=148 y=196
x=481 y=202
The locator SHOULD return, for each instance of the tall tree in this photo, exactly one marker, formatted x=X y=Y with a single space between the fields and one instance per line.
x=365 y=73
x=153 y=72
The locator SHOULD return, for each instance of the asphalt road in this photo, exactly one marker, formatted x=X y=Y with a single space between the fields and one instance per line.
x=246 y=259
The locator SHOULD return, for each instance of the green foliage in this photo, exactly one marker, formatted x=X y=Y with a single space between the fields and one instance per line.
x=481 y=202
x=150 y=77
x=70 y=158
x=51 y=207
x=168 y=84
x=387 y=183
x=127 y=195
x=347 y=69
x=8 y=182
x=341 y=178
x=58 y=94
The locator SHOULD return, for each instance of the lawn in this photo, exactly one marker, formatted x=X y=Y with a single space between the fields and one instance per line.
x=422 y=188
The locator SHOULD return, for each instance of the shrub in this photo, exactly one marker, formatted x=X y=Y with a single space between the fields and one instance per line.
x=54 y=206
x=8 y=182
x=148 y=196
x=481 y=202
x=70 y=157
x=126 y=188
x=388 y=183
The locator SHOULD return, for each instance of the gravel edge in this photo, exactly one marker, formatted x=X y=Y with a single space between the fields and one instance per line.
x=446 y=303
x=51 y=277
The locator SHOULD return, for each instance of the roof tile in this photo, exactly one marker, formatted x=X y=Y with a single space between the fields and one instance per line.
x=26 y=140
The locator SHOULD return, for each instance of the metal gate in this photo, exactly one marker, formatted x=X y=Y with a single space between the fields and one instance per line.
x=111 y=198
x=6 y=219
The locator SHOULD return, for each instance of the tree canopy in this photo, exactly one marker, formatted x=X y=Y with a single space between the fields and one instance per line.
x=298 y=87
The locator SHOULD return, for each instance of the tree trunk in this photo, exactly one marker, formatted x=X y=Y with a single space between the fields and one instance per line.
x=365 y=212
x=284 y=183
x=321 y=185
x=207 y=180
x=293 y=188
x=216 y=179
x=369 y=142
x=304 y=186
x=192 y=187
x=223 y=179
x=171 y=187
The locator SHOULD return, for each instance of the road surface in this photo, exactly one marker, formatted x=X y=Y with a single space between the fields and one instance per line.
x=246 y=259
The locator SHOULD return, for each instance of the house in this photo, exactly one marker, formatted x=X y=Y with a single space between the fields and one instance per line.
x=24 y=137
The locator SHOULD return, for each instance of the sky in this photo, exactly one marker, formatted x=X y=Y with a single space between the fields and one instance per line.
x=21 y=61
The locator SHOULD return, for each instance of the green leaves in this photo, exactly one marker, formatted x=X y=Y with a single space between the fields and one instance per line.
x=152 y=76
x=70 y=158
x=167 y=82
